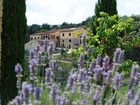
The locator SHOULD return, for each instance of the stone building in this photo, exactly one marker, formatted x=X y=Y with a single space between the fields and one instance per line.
x=70 y=38
x=40 y=36
x=52 y=36
x=67 y=38
x=55 y=37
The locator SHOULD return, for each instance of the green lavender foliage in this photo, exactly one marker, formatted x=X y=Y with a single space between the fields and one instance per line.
x=13 y=36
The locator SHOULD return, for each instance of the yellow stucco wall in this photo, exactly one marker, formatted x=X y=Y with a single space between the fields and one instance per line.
x=70 y=38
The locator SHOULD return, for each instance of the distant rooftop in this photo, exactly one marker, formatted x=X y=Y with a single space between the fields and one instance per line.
x=68 y=29
x=55 y=30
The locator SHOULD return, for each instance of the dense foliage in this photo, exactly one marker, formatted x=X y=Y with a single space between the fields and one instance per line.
x=13 y=37
x=110 y=33
x=107 y=6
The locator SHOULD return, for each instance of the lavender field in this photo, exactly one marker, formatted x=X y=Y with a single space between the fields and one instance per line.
x=93 y=82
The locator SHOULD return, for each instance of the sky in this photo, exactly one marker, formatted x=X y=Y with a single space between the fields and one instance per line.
x=55 y=12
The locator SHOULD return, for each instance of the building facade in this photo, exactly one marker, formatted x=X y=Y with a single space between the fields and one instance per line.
x=66 y=38
x=52 y=36
x=40 y=36
x=70 y=38
x=55 y=37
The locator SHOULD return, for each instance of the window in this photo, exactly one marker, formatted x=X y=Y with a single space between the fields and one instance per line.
x=69 y=34
x=69 y=46
x=41 y=37
x=63 y=34
x=38 y=37
x=69 y=40
x=46 y=36
x=62 y=45
x=31 y=38
x=57 y=37
x=62 y=40
x=35 y=37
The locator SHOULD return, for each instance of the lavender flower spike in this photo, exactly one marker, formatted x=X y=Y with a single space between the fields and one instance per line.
x=83 y=40
x=18 y=69
x=105 y=63
x=134 y=75
x=117 y=80
x=50 y=50
x=37 y=93
x=26 y=88
x=118 y=55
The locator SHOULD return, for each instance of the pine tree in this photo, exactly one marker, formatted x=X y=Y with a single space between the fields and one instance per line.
x=108 y=6
x=13 y=37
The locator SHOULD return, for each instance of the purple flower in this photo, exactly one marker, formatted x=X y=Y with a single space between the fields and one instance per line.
x=83 y=39
x=33 y=63
x=62 y=101
x=46 y=45
x=84 y=102
x=130 y=96
x=79 y=78
x=98 y=59
x=118 y=55
x=137 y=101
x=50 y=50
x=38 y=49
x=53 y=65
x=19 y=100
x=48 y=74
x=134 y=75
x=91 y=67
x=97 y=94
x=107 y=77
x=82 y=57
x=37 y=93
x=32 y=54
x=117 y=81
x=90 y=51
x=39 y=58
x=81 y=60
x=105 y=63
x=53 y=94
x=59 y=99
x=18 y=69
x=81 y=63
x=26 y=89
x=97 y=72
x=70 y=82
x=134 y=70
x=53 y=91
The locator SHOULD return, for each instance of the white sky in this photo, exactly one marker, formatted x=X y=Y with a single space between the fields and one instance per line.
x=71 y=11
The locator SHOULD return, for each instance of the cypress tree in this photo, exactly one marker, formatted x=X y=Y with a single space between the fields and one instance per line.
x=13 y=36
x=108 y=6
